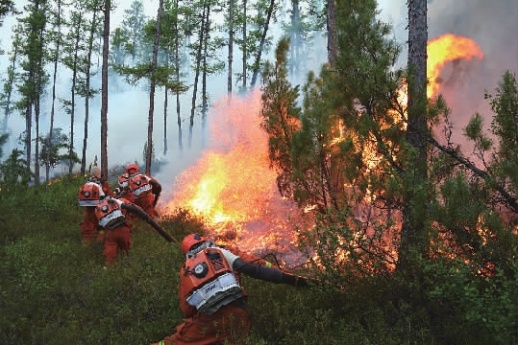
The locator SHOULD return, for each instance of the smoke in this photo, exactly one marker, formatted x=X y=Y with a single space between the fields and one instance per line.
x=494 y=26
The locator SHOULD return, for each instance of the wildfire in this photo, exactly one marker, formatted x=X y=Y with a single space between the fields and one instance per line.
x=441 y=51
x=232 y=186
x=445 y=49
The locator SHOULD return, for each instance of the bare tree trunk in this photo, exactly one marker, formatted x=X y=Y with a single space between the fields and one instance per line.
x=204 y=96
x=87 y=98
x=54 y=79
x=149 y=154
x=332 y=50
x=257 y=64
x=37 y=111
x=73 y=94
x=197 y=72
x=244 y=45
x=166 y=102
x=230 y=45
x=413 y=231
x=28 y=132
x=177 y=75
x=104 y=92
x=39 y=91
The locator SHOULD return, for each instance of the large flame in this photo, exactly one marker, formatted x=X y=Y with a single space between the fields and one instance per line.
x=232 y=186
x=445 y=49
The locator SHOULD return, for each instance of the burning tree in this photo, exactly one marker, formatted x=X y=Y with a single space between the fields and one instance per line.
x=347 y=155
x=345 y=161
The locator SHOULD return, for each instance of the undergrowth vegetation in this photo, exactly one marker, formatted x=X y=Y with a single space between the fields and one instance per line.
x=54 y=290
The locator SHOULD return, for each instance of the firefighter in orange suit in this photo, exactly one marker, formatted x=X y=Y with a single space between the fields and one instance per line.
x=112 y=214
x=211 y=296
x=146 y=189
x=89 y=195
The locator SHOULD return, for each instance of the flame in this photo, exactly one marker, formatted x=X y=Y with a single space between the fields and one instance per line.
x=444 y=49
x=231 y=186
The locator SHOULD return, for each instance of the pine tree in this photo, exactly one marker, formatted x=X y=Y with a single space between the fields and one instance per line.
x=33 y=77
x=343 y=161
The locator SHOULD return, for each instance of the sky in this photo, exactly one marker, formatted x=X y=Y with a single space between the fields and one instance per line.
x=492 y=24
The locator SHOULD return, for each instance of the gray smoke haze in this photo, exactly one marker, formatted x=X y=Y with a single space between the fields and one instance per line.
x=492 y=24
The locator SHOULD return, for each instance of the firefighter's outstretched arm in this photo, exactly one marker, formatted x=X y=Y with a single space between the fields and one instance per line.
x=263 y=272
x=142 y=214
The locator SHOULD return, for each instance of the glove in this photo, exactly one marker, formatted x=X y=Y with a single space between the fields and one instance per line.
x=294 y=280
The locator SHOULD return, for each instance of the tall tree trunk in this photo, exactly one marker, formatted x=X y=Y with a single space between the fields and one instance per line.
x=413 y=228
x=32 y=82
x=177 y=76
x=244 y=69
x=54 y=79
x=77 y=39
x=37 y=112
x=230 y=45
x=197 y=71
x=332 y=49
x=257 y=64
x=28 y=133
x=204 y=95
x=104 y=92
x=149 y=154
x=166 y=102
x=88 y=91
x=39 y=91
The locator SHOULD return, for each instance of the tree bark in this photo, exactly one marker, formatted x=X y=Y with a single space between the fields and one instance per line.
x=413 y=227
x=104 y=92
x=230 y=45
x=257 y=64
x=149 y=153
x=332 y=50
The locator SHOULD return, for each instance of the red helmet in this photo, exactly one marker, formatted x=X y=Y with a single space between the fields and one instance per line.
x=131 y=167
x=190 y=241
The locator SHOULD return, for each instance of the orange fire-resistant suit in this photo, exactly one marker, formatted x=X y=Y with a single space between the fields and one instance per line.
x=146 y=192
x=89 y=225
x=230 y=323
x=112 y=214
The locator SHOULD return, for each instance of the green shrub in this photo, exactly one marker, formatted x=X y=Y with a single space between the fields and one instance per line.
x=54 y=290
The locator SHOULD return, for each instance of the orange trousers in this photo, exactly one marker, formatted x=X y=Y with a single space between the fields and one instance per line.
x=89 y=225
x=116 y=241
x=229 y=325
x=146 y=203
